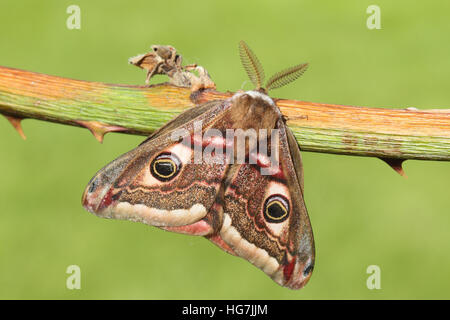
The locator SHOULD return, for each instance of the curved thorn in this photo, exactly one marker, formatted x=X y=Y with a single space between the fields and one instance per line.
x=396 y=164
x=99 y=129
x=16 y=123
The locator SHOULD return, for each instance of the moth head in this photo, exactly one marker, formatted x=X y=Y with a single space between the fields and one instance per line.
x=165 y=52
x=255 y=71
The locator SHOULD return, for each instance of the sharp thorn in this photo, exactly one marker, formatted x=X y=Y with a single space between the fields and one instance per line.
x=16 y=123
x=396 y=164
x=99 y=129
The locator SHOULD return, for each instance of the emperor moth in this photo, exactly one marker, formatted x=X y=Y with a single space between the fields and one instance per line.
x=258 y=216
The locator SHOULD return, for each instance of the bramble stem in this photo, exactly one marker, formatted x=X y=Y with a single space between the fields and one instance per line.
x=372 y=132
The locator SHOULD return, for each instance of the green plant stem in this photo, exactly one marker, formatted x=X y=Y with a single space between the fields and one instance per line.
x=362 y=131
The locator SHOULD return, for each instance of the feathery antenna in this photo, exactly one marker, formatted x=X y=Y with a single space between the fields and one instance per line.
x=252 y=65
x=286 y=76
x=255 y=70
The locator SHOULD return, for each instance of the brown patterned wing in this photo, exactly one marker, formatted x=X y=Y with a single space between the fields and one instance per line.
x=265 y=219
x=158 y=182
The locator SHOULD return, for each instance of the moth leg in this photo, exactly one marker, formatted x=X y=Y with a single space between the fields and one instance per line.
x=152 y=72
x=178 y=61
x=203 y=81
x=190 y=67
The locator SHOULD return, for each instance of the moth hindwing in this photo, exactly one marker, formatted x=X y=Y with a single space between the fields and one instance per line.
x=229 y=170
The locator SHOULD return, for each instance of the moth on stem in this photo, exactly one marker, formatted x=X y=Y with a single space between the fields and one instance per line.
x=248 y=201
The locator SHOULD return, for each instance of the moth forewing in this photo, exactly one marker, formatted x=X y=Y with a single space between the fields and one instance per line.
x=300 y=233
x=294 y=149
x=139 y=187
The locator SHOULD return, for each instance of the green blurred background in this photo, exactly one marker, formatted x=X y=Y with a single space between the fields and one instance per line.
x=362 y=212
